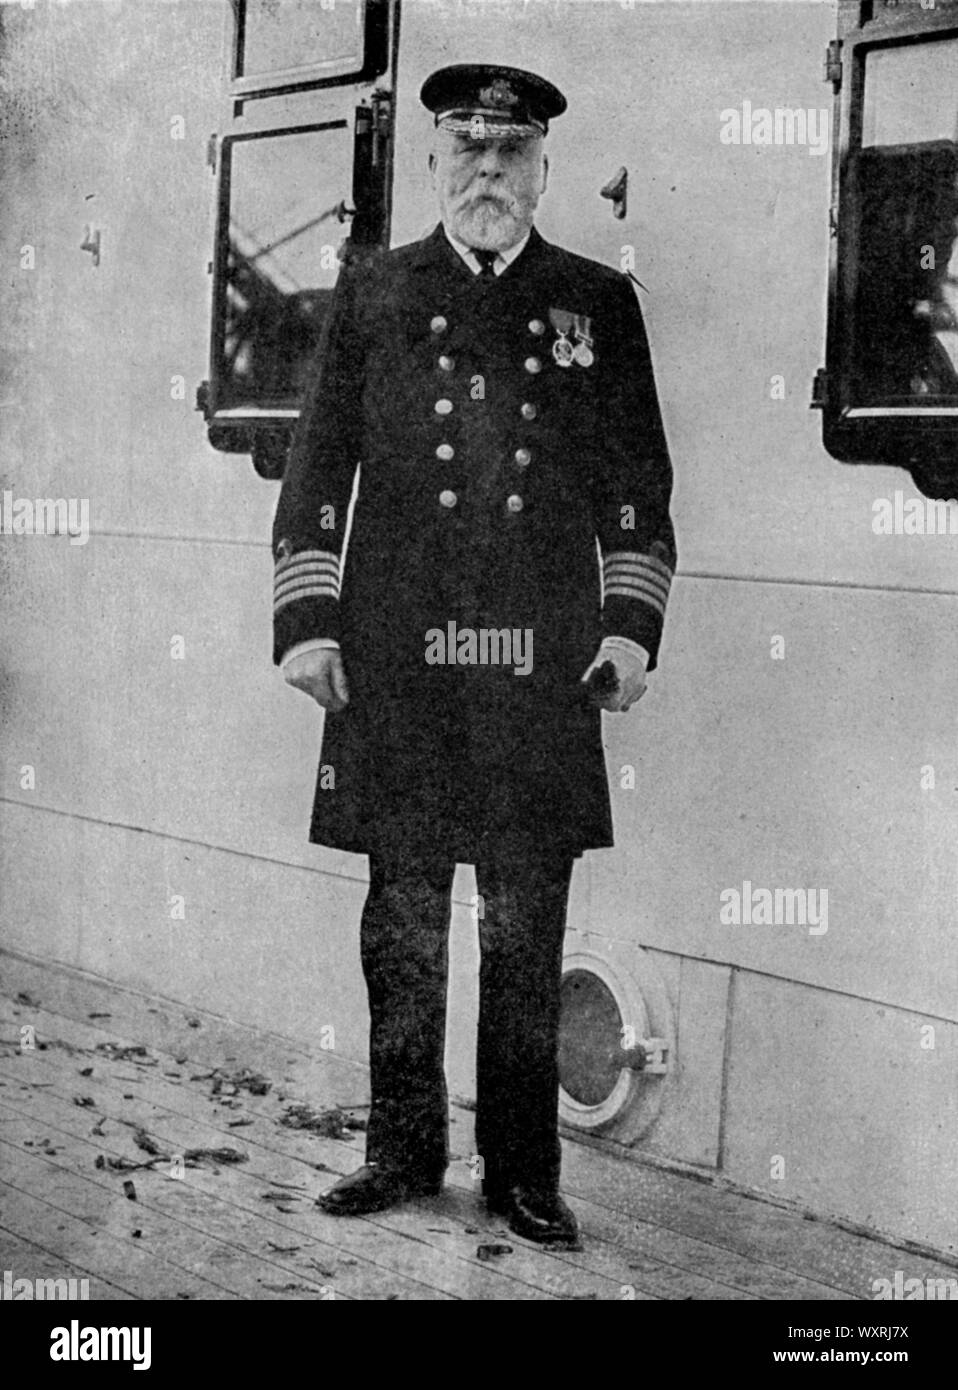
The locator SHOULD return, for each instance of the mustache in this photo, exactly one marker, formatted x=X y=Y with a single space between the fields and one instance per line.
x=504 y=201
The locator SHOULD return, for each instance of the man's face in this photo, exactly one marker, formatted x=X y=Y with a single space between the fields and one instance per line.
x=488 y=189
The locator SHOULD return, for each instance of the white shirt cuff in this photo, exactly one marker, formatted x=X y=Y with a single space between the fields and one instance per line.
x=626 y=644
x=314 y=644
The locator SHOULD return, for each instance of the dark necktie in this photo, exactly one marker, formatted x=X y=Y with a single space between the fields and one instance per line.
x=487 y=260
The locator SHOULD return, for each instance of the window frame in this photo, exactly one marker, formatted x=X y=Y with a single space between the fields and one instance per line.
x=221 y=412
x=922 y=438
x=320 y=73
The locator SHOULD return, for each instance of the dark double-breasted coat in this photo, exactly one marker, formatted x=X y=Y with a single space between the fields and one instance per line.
x=487 y=474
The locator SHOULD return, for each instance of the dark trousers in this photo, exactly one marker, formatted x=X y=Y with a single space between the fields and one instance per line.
x=523 y=895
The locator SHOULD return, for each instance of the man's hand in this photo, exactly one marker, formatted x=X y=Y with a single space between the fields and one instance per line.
x=320 y=674
x=630 y=670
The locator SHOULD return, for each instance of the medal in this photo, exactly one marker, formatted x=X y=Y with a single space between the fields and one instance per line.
x=582 y=352
x=562 y=349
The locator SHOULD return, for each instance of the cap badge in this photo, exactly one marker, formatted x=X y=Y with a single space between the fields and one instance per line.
x=498 y=94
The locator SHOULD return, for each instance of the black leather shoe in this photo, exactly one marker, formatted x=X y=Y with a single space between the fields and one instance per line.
x=540 y=1216
x=374 y=1188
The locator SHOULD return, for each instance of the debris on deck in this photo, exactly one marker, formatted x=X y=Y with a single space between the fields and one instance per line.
x=244 y=1224
x=331 y=1124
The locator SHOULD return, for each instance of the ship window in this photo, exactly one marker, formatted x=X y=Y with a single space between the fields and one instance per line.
x=281 y=226
x=906 y=317
x=281 y=45
x=911 y=94
x=590 y=1038
x=906 y=301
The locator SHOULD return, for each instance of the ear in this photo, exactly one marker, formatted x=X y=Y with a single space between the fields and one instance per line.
x=545 y=174
x=432 y=166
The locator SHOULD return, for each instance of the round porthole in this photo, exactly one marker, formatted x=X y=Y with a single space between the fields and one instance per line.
x=604 y=1013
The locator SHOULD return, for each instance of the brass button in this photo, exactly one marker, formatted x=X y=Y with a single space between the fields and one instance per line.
x=514 y=503
x=284 y=549
x=537 y=327
x=533 y=365
x=529 y=411
x=447 y=363
x=445 y=452
x=523 y=458
x=444 y=407
x=447 y=498
x=438 y=324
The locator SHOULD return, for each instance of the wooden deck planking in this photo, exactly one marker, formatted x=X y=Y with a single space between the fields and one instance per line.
x=634 y=1270
x=198 y=1212
x=25 y=1259
x=180 y=1239
x=665 y=1234
x=528 y=1272
x=56 y=1228
x=656 y=1278
x=630 y=1259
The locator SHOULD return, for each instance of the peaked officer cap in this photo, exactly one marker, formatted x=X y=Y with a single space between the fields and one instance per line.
x=507 y=101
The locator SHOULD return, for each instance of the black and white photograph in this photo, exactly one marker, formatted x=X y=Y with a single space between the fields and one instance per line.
x=479 y=663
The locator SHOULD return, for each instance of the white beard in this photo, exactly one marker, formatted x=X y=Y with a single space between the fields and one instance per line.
x=486 y=226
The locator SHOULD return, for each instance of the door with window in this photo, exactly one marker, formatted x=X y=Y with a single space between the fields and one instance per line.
x=304 y=170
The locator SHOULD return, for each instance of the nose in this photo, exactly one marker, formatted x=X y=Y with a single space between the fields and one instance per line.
x=490 y=164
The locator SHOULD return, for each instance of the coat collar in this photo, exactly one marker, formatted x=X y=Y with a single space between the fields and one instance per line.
x=435 y=252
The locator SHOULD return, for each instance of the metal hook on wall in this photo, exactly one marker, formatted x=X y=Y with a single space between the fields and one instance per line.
x=616 y=190
x=91 y=242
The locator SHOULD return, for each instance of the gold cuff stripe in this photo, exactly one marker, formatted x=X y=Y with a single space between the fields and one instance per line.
x=314 y=592
x=621 y=575
x=307 y=567
x=294 y=587
x=307 y=556
x=634 y=589
x=650 y=562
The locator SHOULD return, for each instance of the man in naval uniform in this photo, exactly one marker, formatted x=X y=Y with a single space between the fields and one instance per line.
x=496 y=395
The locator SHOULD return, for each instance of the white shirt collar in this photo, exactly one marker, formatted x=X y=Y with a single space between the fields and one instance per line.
x=503 y=258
